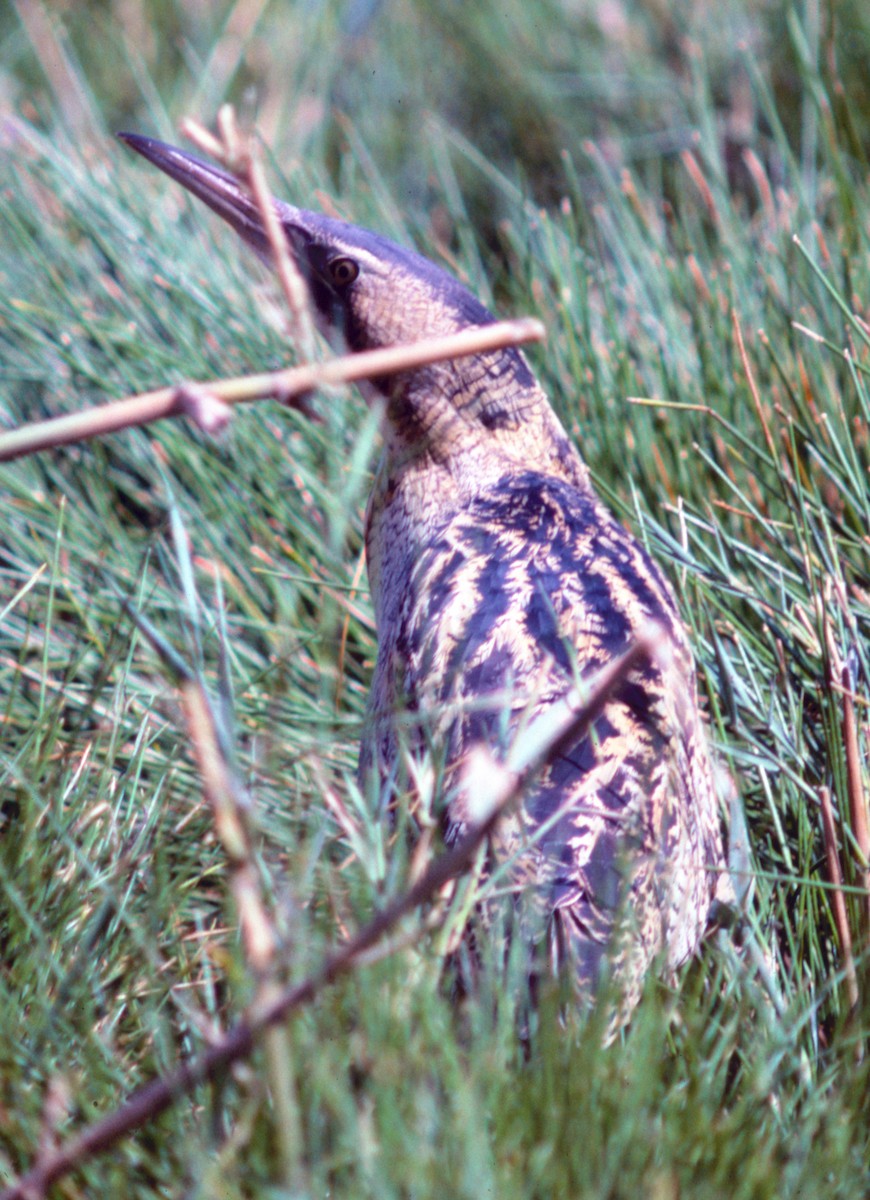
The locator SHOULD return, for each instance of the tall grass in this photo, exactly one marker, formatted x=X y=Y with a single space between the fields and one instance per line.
x=684 y=201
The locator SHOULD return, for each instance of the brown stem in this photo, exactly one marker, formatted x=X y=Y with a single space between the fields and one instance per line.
x=838 y=902
x=282 y=385
x=240 y=155
x=155 y=1097
x=855 y=786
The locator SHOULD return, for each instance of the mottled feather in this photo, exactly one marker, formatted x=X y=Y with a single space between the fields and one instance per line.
x=499 y=580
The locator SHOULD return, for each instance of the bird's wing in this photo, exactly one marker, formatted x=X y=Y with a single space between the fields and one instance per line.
x=530 y=590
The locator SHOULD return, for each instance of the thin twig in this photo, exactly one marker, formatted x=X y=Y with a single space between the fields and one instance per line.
x=285 y=385
x=840 y=679
x=838 y=903
x=241 y=156
x=231 y=809
x=696 y=174
x=505 y=788
x=753 y=387
x=855 y=787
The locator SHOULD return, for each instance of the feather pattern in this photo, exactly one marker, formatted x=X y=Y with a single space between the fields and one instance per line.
x=499 y=581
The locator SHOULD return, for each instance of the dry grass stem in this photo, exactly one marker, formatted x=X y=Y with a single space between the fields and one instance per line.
x=753 y=387
x=288 y=386
x=505 y=787
x=840 y=679
x=696 y=174
x=838 y=902
x=230 y=808
x=241 y=156
x=857 y=796
x=202 y=138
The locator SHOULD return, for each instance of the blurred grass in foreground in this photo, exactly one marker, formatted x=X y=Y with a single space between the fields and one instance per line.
x=636 y=175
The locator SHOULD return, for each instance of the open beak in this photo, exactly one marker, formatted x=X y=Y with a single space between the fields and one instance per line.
x=216 y=188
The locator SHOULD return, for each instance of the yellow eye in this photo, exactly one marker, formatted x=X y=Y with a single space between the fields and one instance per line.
x=342 y=271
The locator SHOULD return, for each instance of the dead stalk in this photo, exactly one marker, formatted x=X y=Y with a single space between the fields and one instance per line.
x=753 y=387
x=838 y=903
x=855 y=785
x=231 y=812
x=505 y=788
x=287 y=386
x=241 y=156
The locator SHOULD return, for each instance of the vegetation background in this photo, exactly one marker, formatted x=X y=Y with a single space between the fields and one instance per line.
x=681 y=192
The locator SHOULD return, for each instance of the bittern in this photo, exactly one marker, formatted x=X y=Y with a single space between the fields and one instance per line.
x=498 y=579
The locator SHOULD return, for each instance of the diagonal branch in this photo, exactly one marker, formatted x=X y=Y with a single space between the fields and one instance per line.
x=286 y=385
x=505 y=787
x=241 y=156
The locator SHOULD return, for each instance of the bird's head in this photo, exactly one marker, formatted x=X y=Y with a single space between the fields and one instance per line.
x=377 y=293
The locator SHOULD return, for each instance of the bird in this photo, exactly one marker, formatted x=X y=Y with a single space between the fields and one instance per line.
x=499 y=580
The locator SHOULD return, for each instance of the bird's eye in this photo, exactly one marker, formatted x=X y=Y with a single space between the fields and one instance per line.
x=343 y=271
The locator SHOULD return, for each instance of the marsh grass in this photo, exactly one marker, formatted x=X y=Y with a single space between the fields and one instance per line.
x=714 y=371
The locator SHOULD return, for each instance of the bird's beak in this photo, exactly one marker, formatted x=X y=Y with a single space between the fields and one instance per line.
x=216 y=188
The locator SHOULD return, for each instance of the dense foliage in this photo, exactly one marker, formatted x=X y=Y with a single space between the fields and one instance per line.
x=683 y=197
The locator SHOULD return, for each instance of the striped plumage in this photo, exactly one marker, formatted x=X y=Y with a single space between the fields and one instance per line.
x=498 y=580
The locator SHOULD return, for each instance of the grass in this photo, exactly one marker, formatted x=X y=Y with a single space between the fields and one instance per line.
x=640 y=187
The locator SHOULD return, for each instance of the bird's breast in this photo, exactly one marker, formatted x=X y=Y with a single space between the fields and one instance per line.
x=490 y=614
x=518 y=589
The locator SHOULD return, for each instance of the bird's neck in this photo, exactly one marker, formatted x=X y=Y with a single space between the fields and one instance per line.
x=466 y=416
x=451 y=436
